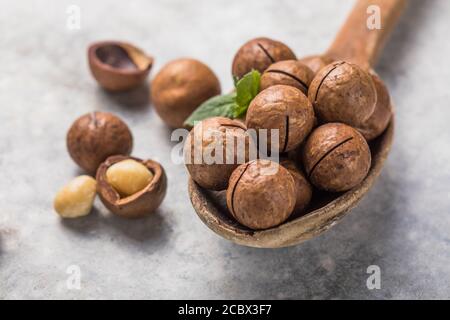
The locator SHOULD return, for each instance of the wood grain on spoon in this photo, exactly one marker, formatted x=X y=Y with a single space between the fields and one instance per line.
x=355 y=43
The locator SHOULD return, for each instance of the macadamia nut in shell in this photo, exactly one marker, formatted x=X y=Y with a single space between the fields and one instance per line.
x=316 y=63
x=180 y=87
x=139 y=204
x=258 y=54
x=303 y=188
x=213 y=149
x=283 y=108
x=343 y=92
x=289 y=72
x=379 y=120
x=261 y=194
x=95 y=136
x=336 y=157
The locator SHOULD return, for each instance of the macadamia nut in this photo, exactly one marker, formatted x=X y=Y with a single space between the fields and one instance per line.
x=258 y=54
x=76 y=198
x=180 y=87
x=343 y=92
x=303 y=188
x=336 y=157
x=128 y=177
x=261 y=194
x=96 y=136
x=213 y=149
x=316 y=63
x=289 y=72
x=145 y=190
x=283 y=108
x=379 y=120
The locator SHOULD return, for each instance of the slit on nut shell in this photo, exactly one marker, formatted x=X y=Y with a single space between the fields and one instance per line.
x=266 y=53
x=302 y=83
x=327 y=153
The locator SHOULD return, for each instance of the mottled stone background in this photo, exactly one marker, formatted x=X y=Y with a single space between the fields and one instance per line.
x=403 y=225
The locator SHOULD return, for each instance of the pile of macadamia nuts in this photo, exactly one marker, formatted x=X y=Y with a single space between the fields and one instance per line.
x=100 y=143
x=325 y=112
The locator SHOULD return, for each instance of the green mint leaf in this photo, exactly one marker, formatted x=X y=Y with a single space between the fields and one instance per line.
x=239 y=111
x=233 y=105
x=246 y=89
x=218 y=106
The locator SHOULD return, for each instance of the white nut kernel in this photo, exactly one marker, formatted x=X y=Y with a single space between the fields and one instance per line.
x=76 y=198
x=128 y=177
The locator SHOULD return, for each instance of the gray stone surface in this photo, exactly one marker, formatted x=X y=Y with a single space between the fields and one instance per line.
x=402 y=225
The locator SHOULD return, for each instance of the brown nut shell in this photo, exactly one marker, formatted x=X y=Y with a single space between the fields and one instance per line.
x=180 y=87
x=139 y=204
x=336 y=157
x=209 y=134
x=259 y=54
x=316 y=63
x=380 y=118
x=289 y=72
x=303 y=188
x=261 y=194
x=95 y=136
x=343 y=92
x=118 y=66
x=284 y=108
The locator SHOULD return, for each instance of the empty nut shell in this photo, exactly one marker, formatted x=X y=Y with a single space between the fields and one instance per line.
x=282 y=108
x=180 y=87
x=336 y=157
x=343 y=92
x=213 y=137
x=259 y=54
x=118 y=66
x=303 y=188
x=261 y=194
x=380 y=118
x=289 y=72
x=142 y=202
x=95 y=136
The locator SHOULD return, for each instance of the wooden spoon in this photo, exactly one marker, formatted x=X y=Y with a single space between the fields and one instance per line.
x=356 y=43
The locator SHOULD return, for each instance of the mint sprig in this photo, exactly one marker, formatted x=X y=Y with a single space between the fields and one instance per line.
x=232 y=105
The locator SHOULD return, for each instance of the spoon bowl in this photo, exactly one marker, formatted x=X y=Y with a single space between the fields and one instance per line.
x=325 y=211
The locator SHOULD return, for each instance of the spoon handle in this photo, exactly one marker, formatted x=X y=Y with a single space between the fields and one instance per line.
x=359 y=40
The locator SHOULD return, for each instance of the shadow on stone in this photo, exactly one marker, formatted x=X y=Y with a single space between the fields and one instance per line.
x=135 y=99
x=152 y=228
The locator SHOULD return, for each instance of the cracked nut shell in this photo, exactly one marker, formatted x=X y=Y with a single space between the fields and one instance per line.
x=343 y=92
x=380 y=118
x=336 y=157
x=259 y=54
x=316 y=63
x=261 y=194
x=142 y=202
x=95 y=136
x=118 y=66
x=289 y=72
x=180 y=87
x=284 y=108
x=303 y=188
x=208 y=135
